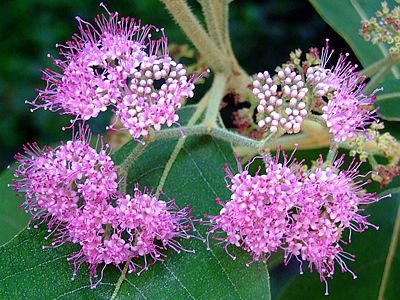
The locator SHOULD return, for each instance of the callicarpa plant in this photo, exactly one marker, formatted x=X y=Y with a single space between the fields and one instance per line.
x=171 y=204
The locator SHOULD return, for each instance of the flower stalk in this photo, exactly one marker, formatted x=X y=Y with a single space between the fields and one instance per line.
x=185 y=18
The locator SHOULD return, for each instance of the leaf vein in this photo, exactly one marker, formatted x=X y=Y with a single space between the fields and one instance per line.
x=391 y=254
x=222 y=153
x=81 y=288
x=211 y=188
x=32 y=268
x=381 y=46
x=136 y=288
x=3 y=250
x=178 y=280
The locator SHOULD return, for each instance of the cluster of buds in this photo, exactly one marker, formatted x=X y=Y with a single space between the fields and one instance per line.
x=73 y=190
x=117 y=63
x=305 y=213
x=384 y=28
x=281 y=100
x=385 y=145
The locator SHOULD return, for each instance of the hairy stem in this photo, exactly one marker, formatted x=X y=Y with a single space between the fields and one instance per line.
x=196 y=116
x=372 y=161
x=212 y=13
x=120 y=280
x=332 y=152
x=136 y=152
x=188 y=22
x=216 y=94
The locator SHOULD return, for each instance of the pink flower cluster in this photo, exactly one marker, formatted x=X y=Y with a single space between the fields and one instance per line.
x=346 y=109
x=117 y=63
x=73 y=190
x=303 y=213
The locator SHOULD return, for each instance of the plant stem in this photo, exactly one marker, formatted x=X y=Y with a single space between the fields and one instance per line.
x=372 y=161
x=197 y=114
x=212 y=13
x=233 y=137
x=225 y=24
x=317 y=119
x=188 y=22
x=216 y=94
x=332 y=152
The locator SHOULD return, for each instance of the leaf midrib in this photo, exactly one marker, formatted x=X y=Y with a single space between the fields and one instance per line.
x=381 y=46
x=391 y=253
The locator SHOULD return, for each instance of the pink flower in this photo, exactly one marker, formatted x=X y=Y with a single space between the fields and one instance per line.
x=117 y=62
x=146 y=219
x=332 y=202
x=346 y=109
x=348 y=114
x=256 y=217
x=124 y=229
x=156 y=90
x=305 y=213
x=54 y=180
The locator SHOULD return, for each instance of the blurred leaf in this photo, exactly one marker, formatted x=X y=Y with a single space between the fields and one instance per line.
x=12 y=218
x=389 y=100
x=345 y=16
x=376 y=255
x=196 y=178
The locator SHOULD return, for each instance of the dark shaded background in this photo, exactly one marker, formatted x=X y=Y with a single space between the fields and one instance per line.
x=263 y=34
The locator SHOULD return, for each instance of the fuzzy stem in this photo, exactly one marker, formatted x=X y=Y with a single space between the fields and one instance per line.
x=197 y=114
x=372 y=161
x=212 y=14
x=216 y=94
x=219 y=133
x=123 y=175
x=127 y=163
x=188 y=22
x=233 y=137
x=136 y=152
x=332 y=152
x=225 y=24
x=317 y=119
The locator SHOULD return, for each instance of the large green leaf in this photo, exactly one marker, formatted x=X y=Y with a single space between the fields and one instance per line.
x=377 y=262
x=389 y=100
x=345 y=16
x=12 y=218
x=196 y=178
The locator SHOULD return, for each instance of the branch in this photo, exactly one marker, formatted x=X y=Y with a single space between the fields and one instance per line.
x=197 y=35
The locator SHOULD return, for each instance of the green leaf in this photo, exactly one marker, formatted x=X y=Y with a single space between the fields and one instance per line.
x=377 y=262
x=389 y=100
x=345 y=16
x=12 y=218
x=196 y=178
